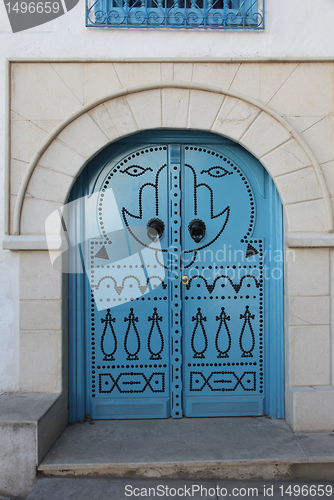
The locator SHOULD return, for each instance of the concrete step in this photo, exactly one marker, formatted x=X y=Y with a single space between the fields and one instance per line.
x=119 y=489
x=29 y=425
x=191 y=448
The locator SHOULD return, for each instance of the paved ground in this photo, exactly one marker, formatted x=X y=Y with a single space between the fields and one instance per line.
x=119 y=489
x=179 y=458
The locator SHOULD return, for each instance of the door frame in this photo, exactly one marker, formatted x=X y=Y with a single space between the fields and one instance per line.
x=78 y=316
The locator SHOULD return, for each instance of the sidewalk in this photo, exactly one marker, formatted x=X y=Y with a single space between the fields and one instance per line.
x=119 y=489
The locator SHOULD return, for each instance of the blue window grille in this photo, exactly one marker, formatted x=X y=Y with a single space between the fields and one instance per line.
x=195 y=14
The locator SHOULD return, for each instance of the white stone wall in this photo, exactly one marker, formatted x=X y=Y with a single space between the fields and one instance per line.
x=95 y=103
x=42 y=95
x=92 y=104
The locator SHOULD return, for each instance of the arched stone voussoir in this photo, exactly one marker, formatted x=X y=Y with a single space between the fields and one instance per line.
x=264 y=135
x=49 y=185
x=286 y=158
x=175 y=108
x=146 y=109
x=45 y=194
x=306 y=217
x=115 y=118
x=84 y=136
x=35 y=213
x=234 y=118
x=188 y=106
x=203 y=108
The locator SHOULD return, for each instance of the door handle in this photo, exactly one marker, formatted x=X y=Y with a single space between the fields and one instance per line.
x=185 y=280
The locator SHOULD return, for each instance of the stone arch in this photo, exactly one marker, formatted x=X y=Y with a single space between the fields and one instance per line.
x=264 y=133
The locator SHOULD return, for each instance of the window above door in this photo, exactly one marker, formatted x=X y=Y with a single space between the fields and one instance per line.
x=176 y=14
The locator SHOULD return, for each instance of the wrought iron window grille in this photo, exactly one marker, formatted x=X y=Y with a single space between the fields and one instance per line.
x=189 y=14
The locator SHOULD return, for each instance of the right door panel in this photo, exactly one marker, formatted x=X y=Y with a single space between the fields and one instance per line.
x=226 y=225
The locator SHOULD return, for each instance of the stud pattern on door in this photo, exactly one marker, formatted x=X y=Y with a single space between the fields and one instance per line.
x=130 y=368
x=159 y=345
x=174 y=256
x=223 y=300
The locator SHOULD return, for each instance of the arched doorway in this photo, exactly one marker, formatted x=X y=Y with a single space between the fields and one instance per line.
x=179 y=308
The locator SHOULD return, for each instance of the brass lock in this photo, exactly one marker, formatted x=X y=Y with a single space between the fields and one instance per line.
x=185 y=280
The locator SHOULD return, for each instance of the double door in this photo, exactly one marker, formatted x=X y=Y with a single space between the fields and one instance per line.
x=176 y=298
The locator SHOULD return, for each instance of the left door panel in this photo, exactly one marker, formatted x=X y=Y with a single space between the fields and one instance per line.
x=127 y=347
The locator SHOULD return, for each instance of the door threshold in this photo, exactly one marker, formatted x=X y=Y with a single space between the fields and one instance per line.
x=226 y=447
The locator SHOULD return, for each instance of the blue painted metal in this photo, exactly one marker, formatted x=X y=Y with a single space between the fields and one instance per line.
x=221 y=326
x=77 y=344
x=174 y=264
x=228 y=318
x=129 y=354
x=224 y=323
x=189 y=14
x=274 y=297
x=273 y=283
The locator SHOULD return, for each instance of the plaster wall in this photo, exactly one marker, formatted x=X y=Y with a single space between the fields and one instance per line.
x=299 y=29
x=9 y=265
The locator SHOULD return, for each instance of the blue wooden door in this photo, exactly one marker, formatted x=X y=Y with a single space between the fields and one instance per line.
x=178 y=313
x=130 y=307
x=223 y=296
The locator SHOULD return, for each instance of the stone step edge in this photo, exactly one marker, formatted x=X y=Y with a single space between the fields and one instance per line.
x=259 y=469
x=63 y=468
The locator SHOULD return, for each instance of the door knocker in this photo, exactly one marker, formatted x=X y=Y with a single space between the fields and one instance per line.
x=197 y=230
x=155 y=229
